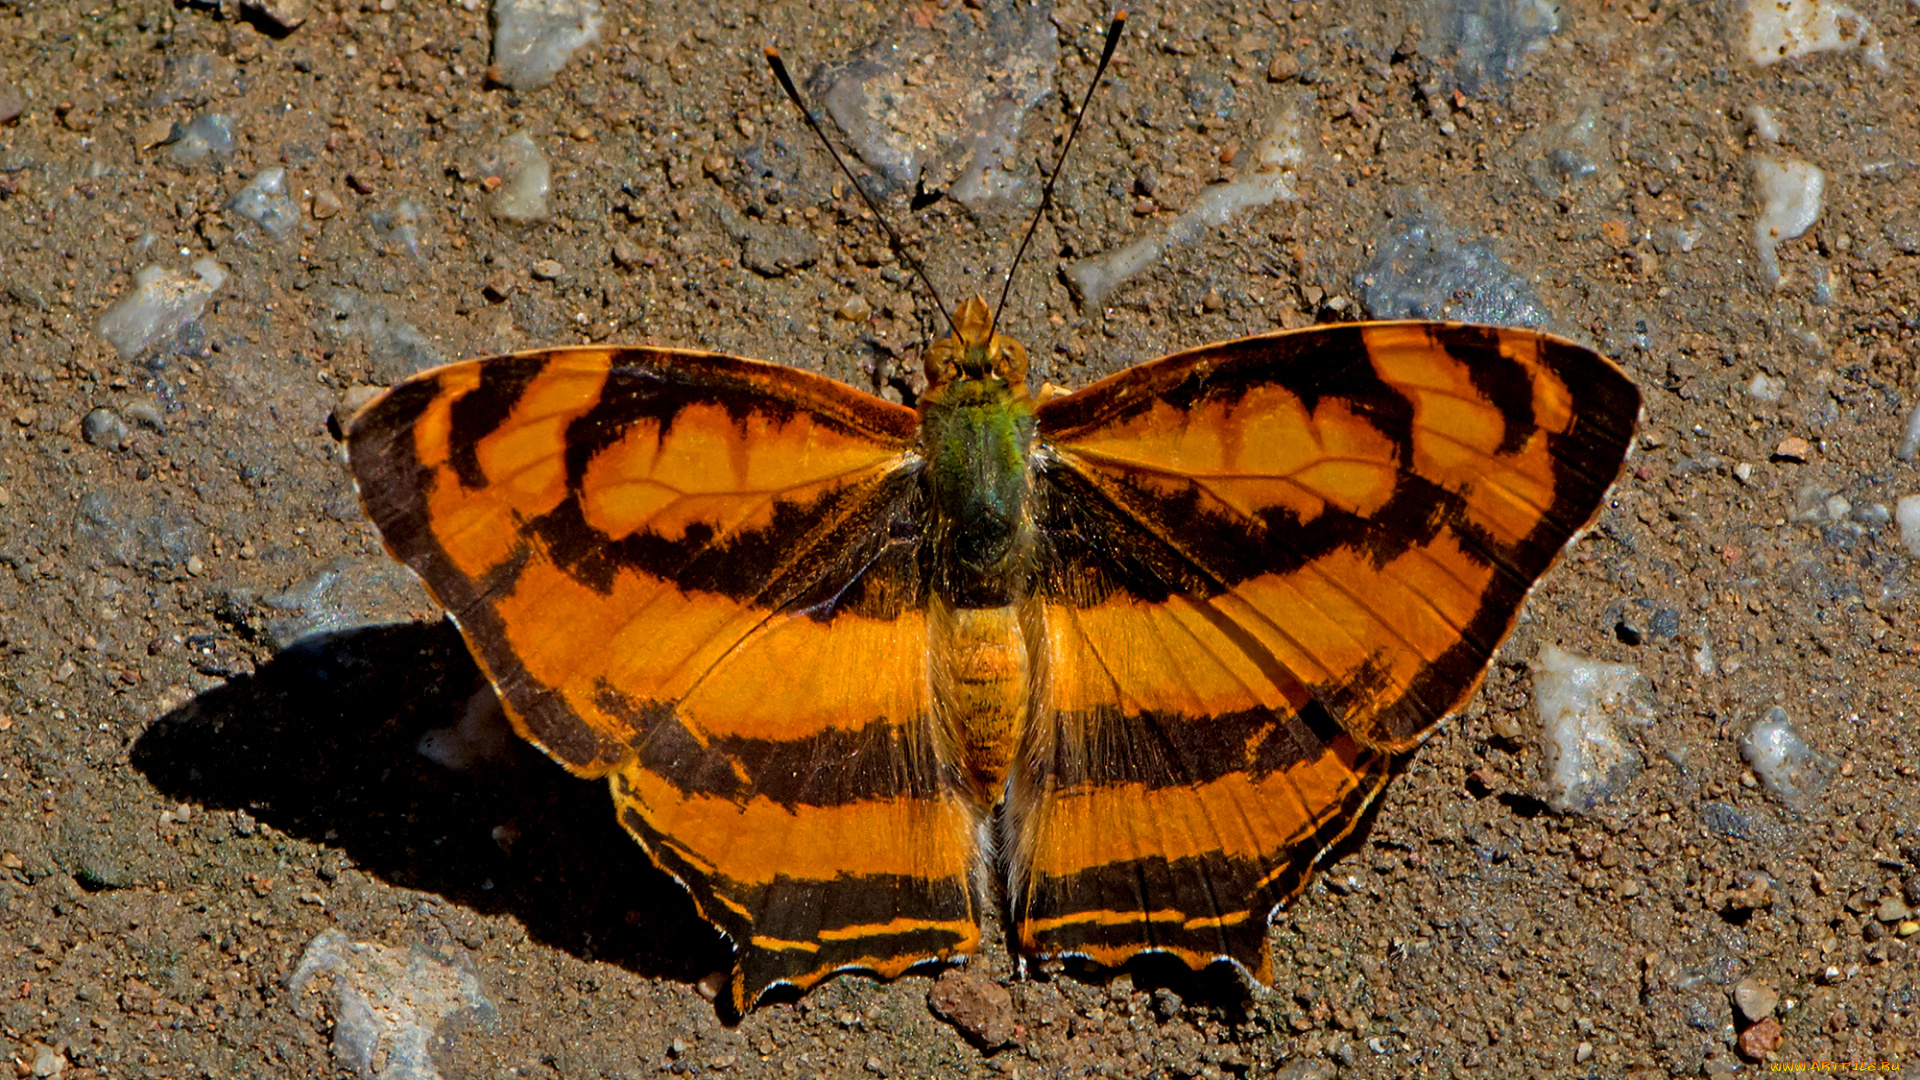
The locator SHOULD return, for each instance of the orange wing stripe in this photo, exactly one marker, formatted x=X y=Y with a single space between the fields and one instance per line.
x=756 y=840
x=1238 y=816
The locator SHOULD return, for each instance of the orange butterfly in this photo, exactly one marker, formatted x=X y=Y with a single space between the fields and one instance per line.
x=1125 y=662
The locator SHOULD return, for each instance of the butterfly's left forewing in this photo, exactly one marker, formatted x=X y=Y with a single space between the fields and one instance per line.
x=701 y=577
x=1269 y=566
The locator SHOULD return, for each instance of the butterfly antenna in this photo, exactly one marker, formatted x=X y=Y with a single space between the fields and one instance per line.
x=1046 y=193
x=899 y=246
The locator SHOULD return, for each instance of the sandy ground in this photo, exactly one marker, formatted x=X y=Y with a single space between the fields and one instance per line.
x=187 y=804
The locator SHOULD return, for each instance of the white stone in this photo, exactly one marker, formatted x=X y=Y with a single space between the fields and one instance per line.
x=916 y=109
x=1789 y=769
x=206 y=135
x=534 y=39
x=1787 y=199
x=1703 y=661
x=1790 y=29
x=1909 y=447
x=161 y=303
x=1763 y=123
x=525 y=181
x=1765 y=387
x=1586 y=758
x=264 y=202
x=387 y=1003
x=1271 y=179
x=48 y=1062
x=1906 y=513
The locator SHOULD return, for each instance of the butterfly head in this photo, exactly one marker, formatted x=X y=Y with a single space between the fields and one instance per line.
x=975 y=351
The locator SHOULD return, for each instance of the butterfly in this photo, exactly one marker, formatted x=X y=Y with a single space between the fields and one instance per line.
x=1125 y=662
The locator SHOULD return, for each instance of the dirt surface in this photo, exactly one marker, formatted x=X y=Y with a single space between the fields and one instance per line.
x=192 y=792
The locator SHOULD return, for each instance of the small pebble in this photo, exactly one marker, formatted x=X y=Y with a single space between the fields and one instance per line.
x=1583 y=1053
x=1755 y=999
x=1764 y=124
x=1586 y=758
x=1906 y=512
x=1758 y=1042
x=980 y=1008
x=1792 y=771
x=146 y=414
x=26 y=416
x=526 y=179
x=264 y=202
x=388 y=1003
x=498 y=287
x=626 y=254
x=547 y=270
x=326 y=204
x=395 y=347
x=505 y=835
x=103 y=427
x=207 y=135
x=48 y=1062
x=1909 y=447
x=162 y=302
x=285 y=15
x=153 y=133
x=534 y=39
x=1907 y=928
x=855 y=309
x=1790 y=29
x=1893 y=910
x=399 y=226
x=1765 y=387
x=1792 y=448
x=1788 y=197
x=1756 y=895
x=1213 y=301
x=1704 y=660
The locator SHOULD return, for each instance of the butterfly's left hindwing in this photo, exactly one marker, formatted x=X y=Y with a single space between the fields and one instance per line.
x=1268 y=566
x=703 y=578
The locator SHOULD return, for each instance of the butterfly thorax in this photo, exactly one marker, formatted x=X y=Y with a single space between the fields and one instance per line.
x=977 y=430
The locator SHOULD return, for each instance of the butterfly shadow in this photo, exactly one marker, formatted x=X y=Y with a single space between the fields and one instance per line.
x=324 y=742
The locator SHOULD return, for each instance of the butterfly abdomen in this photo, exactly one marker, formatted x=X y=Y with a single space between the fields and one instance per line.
x=981 y=687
